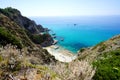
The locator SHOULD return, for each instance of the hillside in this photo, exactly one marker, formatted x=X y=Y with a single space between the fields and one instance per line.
x=13 y=31
x=105 y=57
x=18 y=44
x=20 y=26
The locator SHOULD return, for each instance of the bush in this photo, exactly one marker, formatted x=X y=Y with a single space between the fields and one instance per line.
x=82 y=49
x=7 y=38
x=9 y=11
x=102 y=48
x=5 y=11
x=108 y=66
x=0 y=58
x=99 y=44
x=38 y=39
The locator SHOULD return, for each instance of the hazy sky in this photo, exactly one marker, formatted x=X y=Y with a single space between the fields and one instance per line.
x=64 y=7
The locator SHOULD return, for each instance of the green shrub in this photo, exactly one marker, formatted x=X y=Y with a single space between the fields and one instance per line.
x=82 y=49
x=102 y=48
x=5 y=11
x=1 y=58
x=38 y=39
x=9 y=11
x=99 y=44
x=7 y=38
x=108 y=66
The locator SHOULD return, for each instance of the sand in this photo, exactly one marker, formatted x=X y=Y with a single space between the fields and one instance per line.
x=60 y=53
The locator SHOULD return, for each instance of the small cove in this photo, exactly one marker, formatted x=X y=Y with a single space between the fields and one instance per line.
x=79 y=32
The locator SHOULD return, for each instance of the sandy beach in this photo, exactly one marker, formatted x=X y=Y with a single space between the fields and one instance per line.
x=60 y=53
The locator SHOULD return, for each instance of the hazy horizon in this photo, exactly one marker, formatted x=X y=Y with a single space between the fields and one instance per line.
x=76 y=20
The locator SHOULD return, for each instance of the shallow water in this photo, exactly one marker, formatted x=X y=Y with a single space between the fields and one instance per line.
x=79 y=32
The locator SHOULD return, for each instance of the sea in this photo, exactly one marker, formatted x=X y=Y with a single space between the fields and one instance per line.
x=76 y=32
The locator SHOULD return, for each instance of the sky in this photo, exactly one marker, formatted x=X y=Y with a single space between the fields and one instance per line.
x=64 y=7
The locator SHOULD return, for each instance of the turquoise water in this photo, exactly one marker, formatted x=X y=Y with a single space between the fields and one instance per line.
x=79 y=32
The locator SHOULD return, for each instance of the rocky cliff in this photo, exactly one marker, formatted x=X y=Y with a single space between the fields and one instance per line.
x=30 y=28
x=15 y=16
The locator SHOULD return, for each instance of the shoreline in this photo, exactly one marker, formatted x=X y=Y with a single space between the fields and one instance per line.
x=60 y=53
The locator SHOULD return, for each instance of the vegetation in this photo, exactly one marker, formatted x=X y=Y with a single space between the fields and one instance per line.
x=26 y=29
x=105 y=57
x=76 y=70
x=9 y=11
x=38 y=39
x=82 y=49
x=15 y=62
x=102 y=48
x=99 y=44
x=108 y=66
x=7 y=38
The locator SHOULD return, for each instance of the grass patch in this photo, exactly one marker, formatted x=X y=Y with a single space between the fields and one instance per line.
x=99 y=44
x=108 y=67
x=102 y=48
x=82 y=49
x=7 y=38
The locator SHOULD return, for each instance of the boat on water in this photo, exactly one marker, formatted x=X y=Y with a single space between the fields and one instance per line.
x=75 y=24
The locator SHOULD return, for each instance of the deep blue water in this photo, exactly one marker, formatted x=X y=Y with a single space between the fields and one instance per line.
x=79 y=32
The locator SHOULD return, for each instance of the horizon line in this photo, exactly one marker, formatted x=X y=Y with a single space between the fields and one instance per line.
x=75 y=16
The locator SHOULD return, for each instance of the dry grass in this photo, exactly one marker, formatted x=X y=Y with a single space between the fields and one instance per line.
x=76 y=70
x=16 y=63
x=13 y=60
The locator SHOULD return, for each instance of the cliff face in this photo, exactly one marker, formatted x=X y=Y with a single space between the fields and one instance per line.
x=13 y=31
x=15 y=15
x=27 y=26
